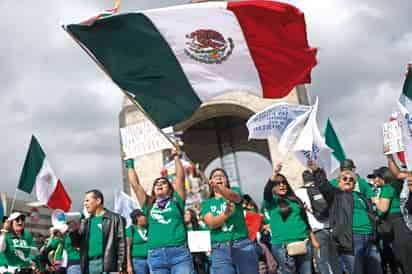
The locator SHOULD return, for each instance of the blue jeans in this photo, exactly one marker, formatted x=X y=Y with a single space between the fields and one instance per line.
x=74 y=269
x=322 y=258
x=365 y=257
x=237 y=257
x=140 y=266
x=170 y=260
x=291 y=264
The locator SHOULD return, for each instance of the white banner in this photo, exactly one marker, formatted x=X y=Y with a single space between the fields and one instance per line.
x=142 y=138
x=124 y=205
x=282 y=120
x=392 y=137
x=311 y=145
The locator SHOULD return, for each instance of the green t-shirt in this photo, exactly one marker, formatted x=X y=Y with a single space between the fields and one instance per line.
x=361 y=224
x=285 y=232
x=73 y=253
x=234 y=228
x=139 y=241
x=96 y=236
x=166 y=227
x=17 y=253
x=388 y=192
x=361 y=185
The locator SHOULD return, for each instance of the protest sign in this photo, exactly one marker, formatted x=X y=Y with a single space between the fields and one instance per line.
x=392 y=137
x=142 y=138
x=199 y=241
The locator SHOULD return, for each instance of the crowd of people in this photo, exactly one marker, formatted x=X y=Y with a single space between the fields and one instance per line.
x=346 y=225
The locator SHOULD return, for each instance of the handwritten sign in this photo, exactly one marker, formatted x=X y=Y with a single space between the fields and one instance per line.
x=392 y=137
x=199 y=241
x=142 y=138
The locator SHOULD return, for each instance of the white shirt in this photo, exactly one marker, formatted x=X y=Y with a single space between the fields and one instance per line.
x=302 y=194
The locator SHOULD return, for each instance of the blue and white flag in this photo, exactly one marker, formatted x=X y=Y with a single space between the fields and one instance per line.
x=311 y=145
x=124 y=205
x=282 y=120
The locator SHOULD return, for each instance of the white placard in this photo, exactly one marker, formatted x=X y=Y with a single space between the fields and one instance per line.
x=199 y=241
x=142 y=138
x=392 y=137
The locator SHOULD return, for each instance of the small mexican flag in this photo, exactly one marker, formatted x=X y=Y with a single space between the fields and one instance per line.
x=37 y=172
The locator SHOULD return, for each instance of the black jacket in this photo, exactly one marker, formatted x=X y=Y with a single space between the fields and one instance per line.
x=341 y=211
x=114 y=243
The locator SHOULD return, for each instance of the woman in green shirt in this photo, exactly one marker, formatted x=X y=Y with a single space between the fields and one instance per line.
x=167 y=239
x=17 y=245
x=232 y=251
x=288 y=224
x=388 y=205
x=137 y=244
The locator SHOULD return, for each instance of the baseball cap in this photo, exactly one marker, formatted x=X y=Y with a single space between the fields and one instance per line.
x=382 y=172
x=136 y=213
x=16 y=215
x=347 y=164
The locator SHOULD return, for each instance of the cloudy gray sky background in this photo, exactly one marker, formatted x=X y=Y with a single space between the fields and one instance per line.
x=50 y=88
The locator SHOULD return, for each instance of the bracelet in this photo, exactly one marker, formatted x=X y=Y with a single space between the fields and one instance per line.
x=172 y=156
x=129 y=163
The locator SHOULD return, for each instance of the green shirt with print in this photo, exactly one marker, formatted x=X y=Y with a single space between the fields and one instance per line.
x=17 y=253
x=361 y=223
x=361 y=185
x=292 y=229
x=166 y=226
x=139 y=241
x=73 y=253
x=234 y=228
x=95 y=236
x=388 y=192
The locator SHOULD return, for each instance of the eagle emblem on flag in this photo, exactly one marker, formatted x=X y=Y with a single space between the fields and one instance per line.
x=208 y=46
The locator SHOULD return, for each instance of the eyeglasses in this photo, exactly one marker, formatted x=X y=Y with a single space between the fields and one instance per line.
x=160 y=182
x=218 y=176
x=279 y=182
x=348 y=179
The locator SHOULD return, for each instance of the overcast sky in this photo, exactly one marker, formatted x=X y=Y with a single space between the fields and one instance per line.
x=50 y=88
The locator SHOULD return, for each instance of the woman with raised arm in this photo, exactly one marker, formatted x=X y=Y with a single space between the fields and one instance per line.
x=398 y=206
x=167 y=241
x=232 y=251
x=288 y=222
x=17 y=246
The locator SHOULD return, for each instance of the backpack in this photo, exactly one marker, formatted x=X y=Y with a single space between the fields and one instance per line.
x=320 y=208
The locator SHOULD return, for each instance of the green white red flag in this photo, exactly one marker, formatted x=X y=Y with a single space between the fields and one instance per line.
x=38 y=173
x=170 y=60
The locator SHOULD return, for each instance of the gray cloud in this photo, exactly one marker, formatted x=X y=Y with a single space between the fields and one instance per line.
x=49 y=87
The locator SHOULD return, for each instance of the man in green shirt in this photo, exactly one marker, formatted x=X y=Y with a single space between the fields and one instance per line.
x=102 y=237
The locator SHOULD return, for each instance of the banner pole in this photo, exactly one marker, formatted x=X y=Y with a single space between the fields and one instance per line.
x=13 y=202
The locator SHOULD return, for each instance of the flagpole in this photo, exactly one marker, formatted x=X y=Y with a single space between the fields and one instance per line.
x=90 y=54
x=13 y=202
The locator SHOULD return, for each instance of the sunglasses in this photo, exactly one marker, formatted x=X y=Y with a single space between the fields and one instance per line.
x=20 y=219
x=348 y=179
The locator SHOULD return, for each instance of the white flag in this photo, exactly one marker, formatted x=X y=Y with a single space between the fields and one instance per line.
x=124 y=205
x=311 y=145
x=281 y=120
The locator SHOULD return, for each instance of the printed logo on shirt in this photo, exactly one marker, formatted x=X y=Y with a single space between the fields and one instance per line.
x=219 y=211
x=158 y=214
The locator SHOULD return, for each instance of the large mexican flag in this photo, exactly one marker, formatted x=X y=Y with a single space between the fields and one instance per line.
x=173 y=59
x=38 y=173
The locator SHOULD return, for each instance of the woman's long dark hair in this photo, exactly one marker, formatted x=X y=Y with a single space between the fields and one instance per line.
x=193 y=219
x=284 y=207
x=212 y=192
x=152 y=199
